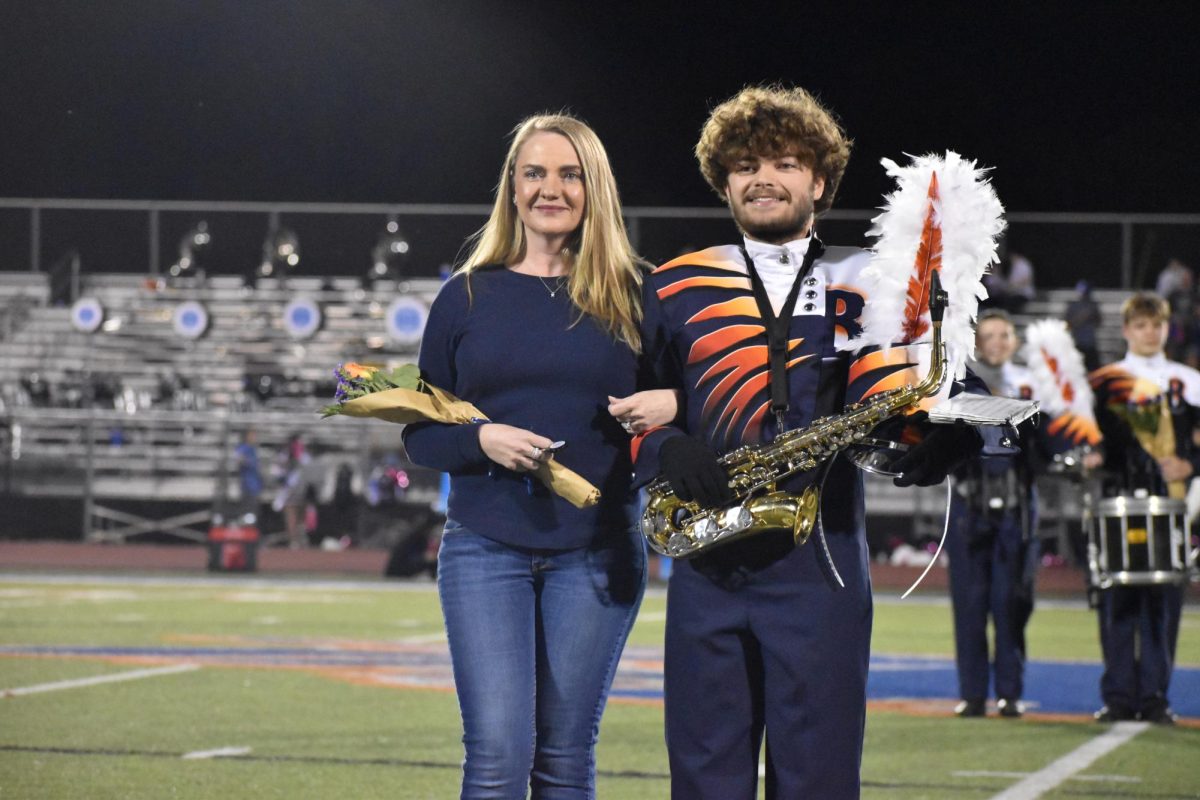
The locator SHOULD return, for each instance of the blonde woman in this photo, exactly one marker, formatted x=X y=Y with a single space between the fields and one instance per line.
x=539 y=330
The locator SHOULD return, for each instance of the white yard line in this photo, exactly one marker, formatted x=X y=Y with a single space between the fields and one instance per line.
x=424 y=638
x=298 y=582
x=1076 y=761
x=985 y=773
x=220 y=752
x=132 y=675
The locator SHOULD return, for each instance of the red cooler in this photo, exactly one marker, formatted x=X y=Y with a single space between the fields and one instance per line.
x=232 y=547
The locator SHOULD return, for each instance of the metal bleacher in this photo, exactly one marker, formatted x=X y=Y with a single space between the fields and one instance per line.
x=1052 y=304
x=245 y=334
x=142 y=445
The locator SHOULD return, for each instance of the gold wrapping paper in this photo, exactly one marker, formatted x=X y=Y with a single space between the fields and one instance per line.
x=408 y=405
x=1160 y=443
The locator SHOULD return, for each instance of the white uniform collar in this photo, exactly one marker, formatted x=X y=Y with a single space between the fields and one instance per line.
x=777 y=266
x=1155 y=363
x=791 y=253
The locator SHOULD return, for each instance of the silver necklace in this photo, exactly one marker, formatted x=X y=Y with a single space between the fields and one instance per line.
x=559 y=282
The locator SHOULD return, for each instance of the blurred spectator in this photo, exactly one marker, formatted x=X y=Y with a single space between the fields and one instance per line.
x=390 y=254
x=1175 y=277
x=345 y=500
x=1181 y=327
x=293 y=469
x=37 y=389
x=105 y=390
x=168 y=385
x=1176 y=285
x=250 y=479
x=193 y=248
x=1083 y=319
x=387 y=483
x=311 y=520
x=63 y=277
x=1010 y=284
x=73 y=390
x=263 y=386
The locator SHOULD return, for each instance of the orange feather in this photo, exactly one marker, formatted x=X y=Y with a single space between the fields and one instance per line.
x=929 y=259
x=1068 y=391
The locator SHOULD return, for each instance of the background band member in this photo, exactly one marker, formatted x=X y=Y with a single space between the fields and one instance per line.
x=1147 y=408
x=538 y=329
x=759 y=636
x=992 y=542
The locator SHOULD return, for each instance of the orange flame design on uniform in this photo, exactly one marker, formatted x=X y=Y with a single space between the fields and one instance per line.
x=712 y=282
x=722 y=339
x=1075 y=428
x=1119 y=386
x=745 y=375
x=740 y=372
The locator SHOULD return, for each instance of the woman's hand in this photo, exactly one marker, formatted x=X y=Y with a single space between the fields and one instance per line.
x=514 y=448
x=643 y=410
x=1174 y=468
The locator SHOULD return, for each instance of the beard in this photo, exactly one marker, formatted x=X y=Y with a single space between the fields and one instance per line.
x=779 y=229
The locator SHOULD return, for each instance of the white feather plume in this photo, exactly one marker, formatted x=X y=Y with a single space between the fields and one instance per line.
x=971 y=218
x=1061 y=386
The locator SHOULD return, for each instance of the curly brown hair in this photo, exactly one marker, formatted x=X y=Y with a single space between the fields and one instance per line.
x=771 y=121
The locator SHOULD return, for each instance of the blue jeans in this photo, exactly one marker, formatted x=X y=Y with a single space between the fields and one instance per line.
x=535 y=636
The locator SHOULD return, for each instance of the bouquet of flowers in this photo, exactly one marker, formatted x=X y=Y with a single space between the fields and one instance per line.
x=399 y=395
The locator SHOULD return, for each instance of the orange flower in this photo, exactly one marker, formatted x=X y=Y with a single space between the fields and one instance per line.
x=357 y=370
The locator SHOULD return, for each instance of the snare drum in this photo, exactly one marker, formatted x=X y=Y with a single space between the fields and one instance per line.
x=1138 y=541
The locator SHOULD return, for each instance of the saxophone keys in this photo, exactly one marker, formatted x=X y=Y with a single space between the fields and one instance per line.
x=704 y=529
x=736 y=519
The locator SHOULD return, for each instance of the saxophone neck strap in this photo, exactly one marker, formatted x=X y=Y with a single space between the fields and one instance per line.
x=779 y=326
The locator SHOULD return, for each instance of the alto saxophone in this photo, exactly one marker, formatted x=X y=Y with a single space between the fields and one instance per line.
x=682 y=530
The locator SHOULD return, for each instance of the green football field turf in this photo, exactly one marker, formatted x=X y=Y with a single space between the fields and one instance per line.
x=279 y=698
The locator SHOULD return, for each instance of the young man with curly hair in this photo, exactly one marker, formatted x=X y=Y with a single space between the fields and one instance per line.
x=764 y=637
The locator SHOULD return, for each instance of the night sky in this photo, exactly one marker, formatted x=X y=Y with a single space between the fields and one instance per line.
x=1079 y=106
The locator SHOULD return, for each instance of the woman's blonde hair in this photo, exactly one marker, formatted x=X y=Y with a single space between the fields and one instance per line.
x=604 y=271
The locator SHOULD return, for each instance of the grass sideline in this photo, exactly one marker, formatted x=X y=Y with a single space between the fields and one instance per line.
x=293 y=689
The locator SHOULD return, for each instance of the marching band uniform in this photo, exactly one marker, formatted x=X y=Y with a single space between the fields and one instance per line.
x=993 y=553
x=1139 y=625
x=759 y=635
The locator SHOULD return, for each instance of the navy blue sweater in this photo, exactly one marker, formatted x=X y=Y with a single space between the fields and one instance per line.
x=511 y=350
